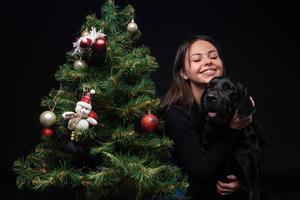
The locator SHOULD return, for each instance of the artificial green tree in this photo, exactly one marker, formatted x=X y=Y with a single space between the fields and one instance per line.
x=116 y=157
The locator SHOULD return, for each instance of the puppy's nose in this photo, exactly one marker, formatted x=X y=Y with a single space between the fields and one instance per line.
x=211 y=97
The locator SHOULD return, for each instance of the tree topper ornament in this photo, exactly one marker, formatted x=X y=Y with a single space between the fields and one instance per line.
x=91 y=36
x=80 y=121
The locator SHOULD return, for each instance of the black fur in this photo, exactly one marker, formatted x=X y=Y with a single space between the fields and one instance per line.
x=220 y=100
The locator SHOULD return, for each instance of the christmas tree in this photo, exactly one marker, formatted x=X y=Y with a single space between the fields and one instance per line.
x=103 y=133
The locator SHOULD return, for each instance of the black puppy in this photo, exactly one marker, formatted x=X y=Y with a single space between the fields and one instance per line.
x=222 y=98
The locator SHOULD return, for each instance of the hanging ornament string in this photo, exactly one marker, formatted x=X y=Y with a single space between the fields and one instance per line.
x=55 y=102
x=48 y=118
x=59 y=91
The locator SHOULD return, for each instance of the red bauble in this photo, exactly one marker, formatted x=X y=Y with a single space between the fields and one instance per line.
x=47 y=132
x=149 y=122
x=100 y=44
x=93 y=115
x=85 y=42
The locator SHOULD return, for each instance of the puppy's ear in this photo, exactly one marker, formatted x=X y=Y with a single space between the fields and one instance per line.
x=245 y=107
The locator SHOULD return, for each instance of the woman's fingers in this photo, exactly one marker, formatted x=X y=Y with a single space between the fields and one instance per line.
x=224 y=189
x=228 y=188
x=238 y=123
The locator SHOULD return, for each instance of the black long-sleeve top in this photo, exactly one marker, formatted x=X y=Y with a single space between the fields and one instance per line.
x=184 y=126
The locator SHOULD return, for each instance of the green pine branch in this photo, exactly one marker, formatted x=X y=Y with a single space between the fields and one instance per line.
x=117 y=157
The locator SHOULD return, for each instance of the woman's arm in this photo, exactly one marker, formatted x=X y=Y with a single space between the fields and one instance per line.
x=204 y=166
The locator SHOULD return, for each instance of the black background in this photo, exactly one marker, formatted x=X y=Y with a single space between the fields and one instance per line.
x=259 y=42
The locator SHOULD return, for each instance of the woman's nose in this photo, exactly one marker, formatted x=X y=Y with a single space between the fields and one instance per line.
x=207 y=61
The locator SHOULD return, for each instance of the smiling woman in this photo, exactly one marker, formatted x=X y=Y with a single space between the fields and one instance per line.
x=203 y=61
x=198 y=61
x=201 y=64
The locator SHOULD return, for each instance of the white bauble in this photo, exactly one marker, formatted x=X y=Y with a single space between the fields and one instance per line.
x=47 y=118
x=132 y=27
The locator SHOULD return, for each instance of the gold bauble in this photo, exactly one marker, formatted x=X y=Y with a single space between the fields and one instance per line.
x=80 y=64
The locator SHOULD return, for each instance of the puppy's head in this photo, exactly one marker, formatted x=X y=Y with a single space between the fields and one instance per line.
x=222 y=98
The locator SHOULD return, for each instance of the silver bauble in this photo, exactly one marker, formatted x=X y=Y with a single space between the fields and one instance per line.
x=132 y=26
x=79 y=64
x=47 y=118
x=84 y=33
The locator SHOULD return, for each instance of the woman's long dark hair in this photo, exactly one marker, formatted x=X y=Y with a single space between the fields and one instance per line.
x=180 y=90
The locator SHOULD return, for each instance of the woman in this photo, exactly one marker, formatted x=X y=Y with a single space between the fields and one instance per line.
x=197 y=61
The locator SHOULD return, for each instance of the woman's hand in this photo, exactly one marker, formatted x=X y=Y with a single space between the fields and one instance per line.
x=230 y=187
x=237 y=123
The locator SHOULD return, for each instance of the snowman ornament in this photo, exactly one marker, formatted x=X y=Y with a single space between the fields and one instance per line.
x=80 y=120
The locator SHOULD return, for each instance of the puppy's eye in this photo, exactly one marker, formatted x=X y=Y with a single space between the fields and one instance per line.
x=229 y=87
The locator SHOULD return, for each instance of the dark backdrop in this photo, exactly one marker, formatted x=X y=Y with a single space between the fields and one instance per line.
x=258 y=39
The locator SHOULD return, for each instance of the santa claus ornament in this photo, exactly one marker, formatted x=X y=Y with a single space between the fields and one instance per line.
x=80 y=120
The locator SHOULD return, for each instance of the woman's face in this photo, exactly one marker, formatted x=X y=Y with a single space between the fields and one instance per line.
x=202 y=63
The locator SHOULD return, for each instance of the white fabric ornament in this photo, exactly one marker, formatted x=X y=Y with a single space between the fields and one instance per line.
x=79 y=120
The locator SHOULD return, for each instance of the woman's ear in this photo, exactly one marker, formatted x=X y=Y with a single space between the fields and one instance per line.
x=183 y=75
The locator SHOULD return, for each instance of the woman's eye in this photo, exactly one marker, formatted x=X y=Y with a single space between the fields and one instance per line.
x=197 y=60
x=213 y=55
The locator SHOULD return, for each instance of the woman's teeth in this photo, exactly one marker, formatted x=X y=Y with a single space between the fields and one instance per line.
x=210 y=71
